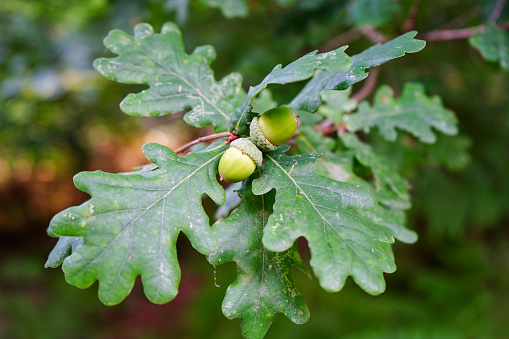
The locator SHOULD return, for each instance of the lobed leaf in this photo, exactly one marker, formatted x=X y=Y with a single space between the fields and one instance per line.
x=413 y=112
x=309 y=98
x=63 y=248
x=325 y=212
x=264 y=286
x=131 y=224
x=301 y=69
x=388 y=212
x=386 y=178
x=493 y=44
x=176 y=80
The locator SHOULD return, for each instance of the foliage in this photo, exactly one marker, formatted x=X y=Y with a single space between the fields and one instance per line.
x=58 y=116
x=129 y=214
x=493 y=44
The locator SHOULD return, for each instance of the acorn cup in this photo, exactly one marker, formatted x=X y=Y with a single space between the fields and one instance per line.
x=239 y=161
x=273 y=128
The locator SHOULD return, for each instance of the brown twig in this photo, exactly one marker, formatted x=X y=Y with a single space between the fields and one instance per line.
x=463 y=19
x=368 y=87
x=412 y=14
x=340 y=40
x=497 y=10
x=461 y=33
x=373 y=35
x=202 y=139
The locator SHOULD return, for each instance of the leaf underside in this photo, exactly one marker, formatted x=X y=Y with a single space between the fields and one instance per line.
x=301 y=69
x=130 y=225
x=309 y=98
x=177 y=80
x=264 y=286
x=325 y=212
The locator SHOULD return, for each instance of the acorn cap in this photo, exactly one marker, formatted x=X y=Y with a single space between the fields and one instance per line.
x=258 y=138
x=247 y=147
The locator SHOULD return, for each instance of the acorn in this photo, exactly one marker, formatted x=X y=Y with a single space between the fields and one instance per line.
x=273 y=128
x=240 y=160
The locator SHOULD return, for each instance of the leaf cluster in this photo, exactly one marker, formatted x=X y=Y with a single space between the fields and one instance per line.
x=348 y=216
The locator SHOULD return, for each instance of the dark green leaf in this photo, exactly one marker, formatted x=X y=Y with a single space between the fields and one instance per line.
x=311 y=141
x=301 y=69
x=131 y=224
x=493 y=44
x=413 y=112
x=264 y=285
x=386 y=178
x=309 y=98
x=325 y=212
x=388 y=211
x=177 y=80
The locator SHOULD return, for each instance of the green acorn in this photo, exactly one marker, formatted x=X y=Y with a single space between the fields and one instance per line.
x=273 y=128
x=240 y=160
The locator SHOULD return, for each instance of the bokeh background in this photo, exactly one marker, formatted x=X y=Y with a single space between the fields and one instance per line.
x=59 y=117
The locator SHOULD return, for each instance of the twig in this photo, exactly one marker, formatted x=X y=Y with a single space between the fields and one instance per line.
x=340 y=40
x=412 y=14
x=368 y=87
x=373 y=35
x=497 y=10
x=451 y=34
x=461 y=33
x=201 y=139
x=463 y=19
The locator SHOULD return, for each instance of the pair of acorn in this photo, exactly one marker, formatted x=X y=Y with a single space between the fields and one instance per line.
x=273 y=128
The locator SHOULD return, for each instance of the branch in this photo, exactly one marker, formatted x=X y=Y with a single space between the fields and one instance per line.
x=368 y=87
x=340 y=40
x=373 y=35
x=461 y=33
x=410 y=21
x=202 y=139
x=497 y=10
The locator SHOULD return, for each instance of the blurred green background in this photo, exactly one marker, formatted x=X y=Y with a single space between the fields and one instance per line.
x=59 y=117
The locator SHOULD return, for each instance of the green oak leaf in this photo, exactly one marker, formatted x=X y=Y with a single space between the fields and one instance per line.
x=311 y=141
x=229 y=8
x=413 y=112
x=131 y=224
x=493 y=44
x=62 y=250
x=264 y=286
x=388 y=212
x=309 y=98
x=373 y=13
x=325 y=212
x=301 y=69
x=336 y=103
x=177 y=80
x=386 y=178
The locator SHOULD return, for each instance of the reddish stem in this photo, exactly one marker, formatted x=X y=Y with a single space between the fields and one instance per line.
x=201 y=139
